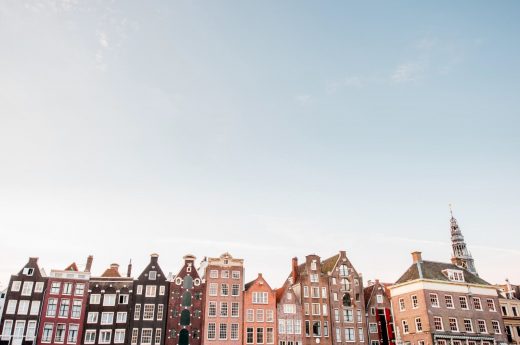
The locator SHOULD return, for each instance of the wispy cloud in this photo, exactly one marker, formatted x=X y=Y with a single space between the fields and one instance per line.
x=408 y=72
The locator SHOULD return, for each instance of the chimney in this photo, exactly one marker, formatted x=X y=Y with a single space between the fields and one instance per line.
x=129 y=269
x=294 y=272
x=88 y=266
x=417 y=257
x=154 y=257
x=115 y=267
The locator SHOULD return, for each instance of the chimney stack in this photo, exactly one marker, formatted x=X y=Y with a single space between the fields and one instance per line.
x=129 y=270
x=294 y=272
x=88 y=266
x=417 y=257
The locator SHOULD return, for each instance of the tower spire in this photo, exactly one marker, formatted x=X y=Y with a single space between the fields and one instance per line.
x=460 y=256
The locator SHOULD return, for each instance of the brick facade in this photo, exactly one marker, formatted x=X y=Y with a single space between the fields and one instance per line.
x=290 y=315
x=259 y=313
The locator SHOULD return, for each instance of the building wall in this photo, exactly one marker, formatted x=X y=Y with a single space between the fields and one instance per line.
x=290 y=315
x=186 y=296
x=260 y=325
x=221 y=274
x=510 y=310
x=23 y=303
x=379 y=323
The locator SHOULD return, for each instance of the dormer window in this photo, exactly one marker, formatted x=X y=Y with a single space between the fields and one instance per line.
x=454 y=275
x=152 y=275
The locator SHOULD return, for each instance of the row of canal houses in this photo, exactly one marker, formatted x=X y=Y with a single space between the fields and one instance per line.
x=321 y=301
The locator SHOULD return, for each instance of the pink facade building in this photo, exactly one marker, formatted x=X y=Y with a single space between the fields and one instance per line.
x=260 y=312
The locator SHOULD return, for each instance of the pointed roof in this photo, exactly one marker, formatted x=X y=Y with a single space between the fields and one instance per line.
x=258 y=278
x=112 y=272
x=328 y=265
x=72 y=267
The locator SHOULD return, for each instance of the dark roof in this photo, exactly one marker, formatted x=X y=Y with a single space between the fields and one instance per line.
x=367 y=292
x=327 y=265
x=433 y=270
x=248 y=285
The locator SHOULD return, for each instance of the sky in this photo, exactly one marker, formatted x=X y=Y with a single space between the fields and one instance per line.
x=268 y=129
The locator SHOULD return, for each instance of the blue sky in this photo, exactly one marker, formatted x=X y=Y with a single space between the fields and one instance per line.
x=267 y=129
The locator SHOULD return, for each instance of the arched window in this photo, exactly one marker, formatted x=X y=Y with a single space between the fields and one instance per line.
x=175 y=313
x=195 y=333
x=184 y=337
x=186 y=299
x=185 y=317
x=347 y=301
x=188 y=282
x=173 y=333
x=345 y=284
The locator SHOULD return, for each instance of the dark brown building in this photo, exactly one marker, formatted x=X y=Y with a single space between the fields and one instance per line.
x=379 y=314
x=23 y=302
x=150 y=301
x=109 y=307
x=185 y=306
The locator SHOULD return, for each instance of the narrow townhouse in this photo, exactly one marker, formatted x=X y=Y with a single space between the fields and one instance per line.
x=185 y=306
x=260 y=313
x=109 y=307
x=64 y=305
x=510 y=310
x=23 y=302
x=289 y=313
x=223 y=300
x=3 y=293
x=150 y=303
x=379 y=314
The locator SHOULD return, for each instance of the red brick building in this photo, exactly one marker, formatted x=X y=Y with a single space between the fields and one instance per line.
x=185 y=309
x=64 y=305
x=259 y=313
x=379 y=314
x=289 y=313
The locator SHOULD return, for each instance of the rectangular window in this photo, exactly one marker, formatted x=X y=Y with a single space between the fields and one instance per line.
x=305 y=291
x=372 y=328
x=122 y=299
x=235 y=274
x=90 y=336
x=235 y=312
x=361 y=335
x=259 y=315
x=482 y=328
x=55 y=288
x=38 y=288
x=67 y=289
x=146 y=336
x=223 y=309
x=76 y=309
x=315 y=309
x=234 y=331
x=80 y=289
x=11 y=306
x=137 y=312
x=15 y=287
x=306 y=308
x=269 y=335
x=213 y=274
x=348 y=315
x=325 y=328
x=60 y=333
x=224 y=274
x=491 y=305
x=260 y=298
x=139 y=289
x=449 y=301
x=468 y=325
x=259 y=335
x=323 y=292
x=401 y=304
x=250 y=335
x=213 y=289
x=119 y=336
x=160 y=311
x=324 y=309
x=162 y=290
x=35 y=308
x=222 y=332
x=135 y=336
x=316 y=328
x=27 y=288
x=31 y=330
x=463 y=302
x=92 y=317
x=211 y=331
x=315 y=292
x=269 y=315
x=434 y=300
x=224 y=289
x=338 y=334
x=95 y=298
x=496 y=327
x=151 y=291
x=64 y=308
x=314 y=278
x=8 y=327
x=307 y=328
x=148 y=312
x=437 y=322
x=235 y=289
x=158 y=336
x=418 y=325
x=349 y=335
x=47 y=332
x=297 y=326
x=477 y=304
x=152 y=275
x=379 y=298
x=121 y=317
x=23 y=307
x=454 y=327
x=336 y=315
x=107 y=318
x=72 y=334
x=415 y=302
x=212 y=310
x=406 y=328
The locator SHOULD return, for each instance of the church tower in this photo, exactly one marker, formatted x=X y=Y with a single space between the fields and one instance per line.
x=460 y=256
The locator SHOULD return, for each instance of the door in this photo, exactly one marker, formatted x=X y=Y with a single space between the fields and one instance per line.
x=184 y=337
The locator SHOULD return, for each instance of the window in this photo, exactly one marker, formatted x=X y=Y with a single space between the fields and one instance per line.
x=315 y=292
x=289 y=326
x=491 y=305
x=316 y=328
x=76 y=309
x=109 y=300
x=415 y=302
x=121 y=317
x=80 y=289
x=454 y=275
x=95 y=298
x=64 y=308
x=260 y=298
x=468 y=325
x=307 y=328
x=379 y=298
x=401 y=304
x=335 y=296
x=314 y=278
x=60 y=333
x=281 y=326
x=137 y=312
x=259 y=335
x=269 y=335
x=158 y=335
x=313 y=265
x=8 y=326
x=259 y=315
x=234 y=309
x=234 y=331
x=47 y=332
x=35 y=308
x=269 y=315
x=15 y=287
x=224 y=274
x=515 y=310
x=162 y=290
x=463 y=302
x=212 y=310
x=336 y=315
x=250 y=335
x=338 y=334
x=11 y=306
x=31 y=330
x=348 y=315
x=72 y=334
x=345 y=284
x=325 y=328
x=437 y=323
x=496 y=327
x=23 y=307
x=449 y=301
x=148 y=311
x=235 y=289
x=139 y=291
x=434 y=300
x=213 y=289
x=107 y=318
x=358 y=314
x=90 y=336
x=372 y=327
x=122 y=299
x=305 y=291
x=222 y=331
x=146 y=336
x=67 y=288
x=323 y=292
x=316 y=309
x=361 y=334
x=306 y=308
x=454 y=327
x=160 y=311
x=235 y=274
x=406 y=328
x=151 y=291
x=152 y=275
x=224 y=289
x=477 y=304
x=92 y=317
x=418 y=325
x=119 y=336
x=27 y=288
x=349 y=334
x=213 y=274
x=223 y=309
x=55 y=288
x=482 y=328
x=38 y=288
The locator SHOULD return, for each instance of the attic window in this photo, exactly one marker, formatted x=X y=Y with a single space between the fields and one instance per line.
x=454 y=275
x=152 y=275
x=343 y=270
x=28 y=271
x=313 y=265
